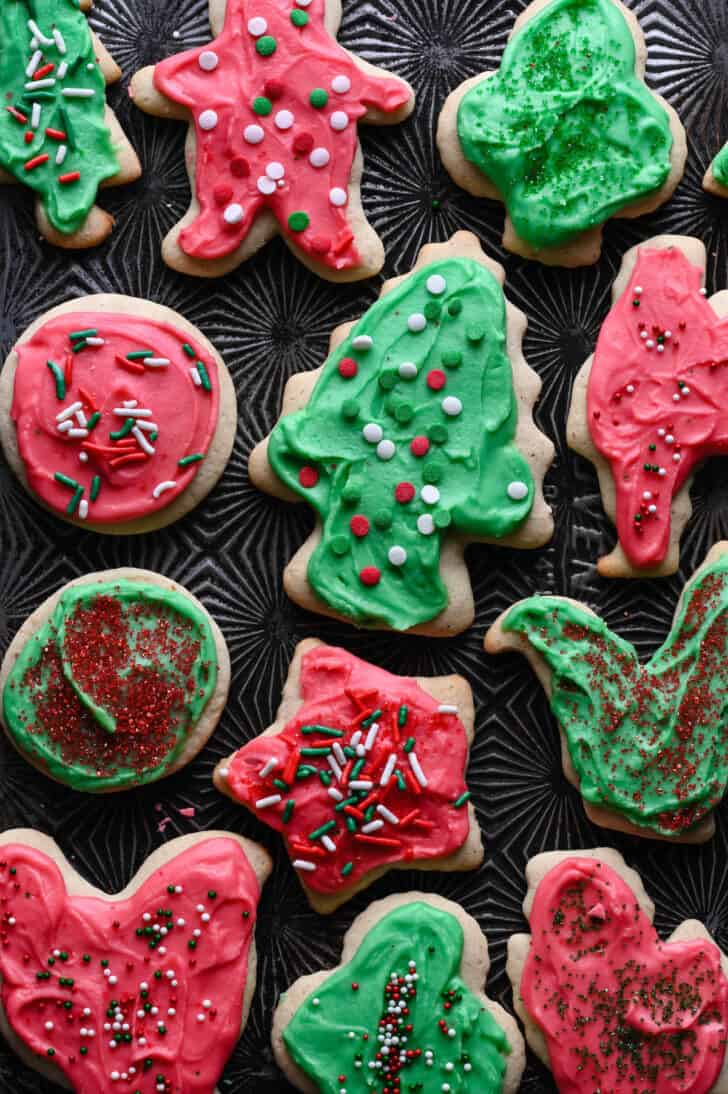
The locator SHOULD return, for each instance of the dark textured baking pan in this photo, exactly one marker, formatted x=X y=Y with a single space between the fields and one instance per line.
x=272 y=318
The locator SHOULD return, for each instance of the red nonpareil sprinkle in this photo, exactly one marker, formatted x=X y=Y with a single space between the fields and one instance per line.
x=129 y=366
x=44 y=70
x=419 y=446
x=17 y=114
x=359 y=525
x=68 y=369
x=370 y=576
x=222 y=193
x=273 y=89
x=29 y=137
x=303 y=144
x=321 y=245
x=70 y=176
x=30 y=165
x=348 y=368
x=404 y=492
x=308 y=476
x=88 y=399
x=239 y=167
x=436 y=379
x=377 y=841
x=131 y=457
x=56 y=134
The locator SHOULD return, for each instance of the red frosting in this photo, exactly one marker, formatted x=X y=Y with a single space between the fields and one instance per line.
x=392 y=815
x=296 y=162
x=621 y=1010
x=656 y=400
x=177 y=416
x=97 y=955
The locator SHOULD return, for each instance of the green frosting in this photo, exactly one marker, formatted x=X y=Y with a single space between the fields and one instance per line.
x=648 y=741
x=720 y=166
x=65 y=40
x=104 y=694
x=565 y=129
x=404 y=388
x=319 y=1036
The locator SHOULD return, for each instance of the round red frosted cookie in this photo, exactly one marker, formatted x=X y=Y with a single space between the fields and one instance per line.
x=116 y=413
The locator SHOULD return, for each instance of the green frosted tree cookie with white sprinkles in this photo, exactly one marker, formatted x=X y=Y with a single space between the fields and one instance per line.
x=414 y=437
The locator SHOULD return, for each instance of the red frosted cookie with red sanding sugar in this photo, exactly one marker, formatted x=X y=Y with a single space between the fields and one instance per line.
x=362 y=771
x=605 y=1003
x=116 y=414
x=273 y=104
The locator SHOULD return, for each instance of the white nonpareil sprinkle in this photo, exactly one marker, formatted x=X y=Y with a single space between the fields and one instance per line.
x=447 y=708
x=436 y=284
x=372 y=433
x=61 y=154
x=338 y=196
x=362 y=342
x=373 y=826
x=304 y=864
x=339 y=120
x=328 y=843
x=416 y=322
x=208 y=60
x=83 y=509
x=452 y=406
x=146 y=447
x=33 y=63
x=339 y=753
x=319 y=157
x=60 y=43
x=208 y=119
x=162 y=486
x=425 y=524
x=430 y=494
x=76 y=92
x=131 y=412
x=284 y=119
x=35 y=115
x=334 y=767
x=517 y=491
x=275 y=170
x=361 y=784
x=407 y=370
x=371 y=737
x=335 y=794
x=253 y=134
x=257 y=26
x=397 y=555
x=232 y=214
x=268 y=766
x=266 y=186
x=341 y=84
x=386 y=450
x=68 y=412
x=38 y=85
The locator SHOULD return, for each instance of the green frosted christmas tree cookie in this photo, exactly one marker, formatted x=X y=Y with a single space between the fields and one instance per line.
x=414 y=438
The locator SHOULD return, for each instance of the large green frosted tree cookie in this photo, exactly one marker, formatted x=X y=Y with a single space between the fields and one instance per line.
x=412 y=439
x=57 y=134
x=566 y=132
x=404 y=1010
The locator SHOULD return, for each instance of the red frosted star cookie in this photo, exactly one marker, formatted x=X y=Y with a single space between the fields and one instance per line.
x=361 y=772
x=273 y=104
x=145 y=991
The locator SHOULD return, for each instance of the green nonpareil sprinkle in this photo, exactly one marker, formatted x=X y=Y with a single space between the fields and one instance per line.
x=401 y=781
x=93 y=420
x=346 y=869
x=153 y=436
x=356 y=769
x=58 y=377
x=95 y=487
x=319 y=832
x=349 y=752
x=325 y=777
x=188 y=349
x=139 y=354
x=409 y=744
x=369 y=814
x=324 y=751
x=73 y=503
x=204 y=375
x=124 y=431
x=372 y=718
x=323 y=731
x=280 y=785
x=402 y=716
x=66 y=126
x=191 y=459
x=350 y=823
x=78 y=346
x=464 y=797
x=90 y=332
x=288 y=811
x=66 y=480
